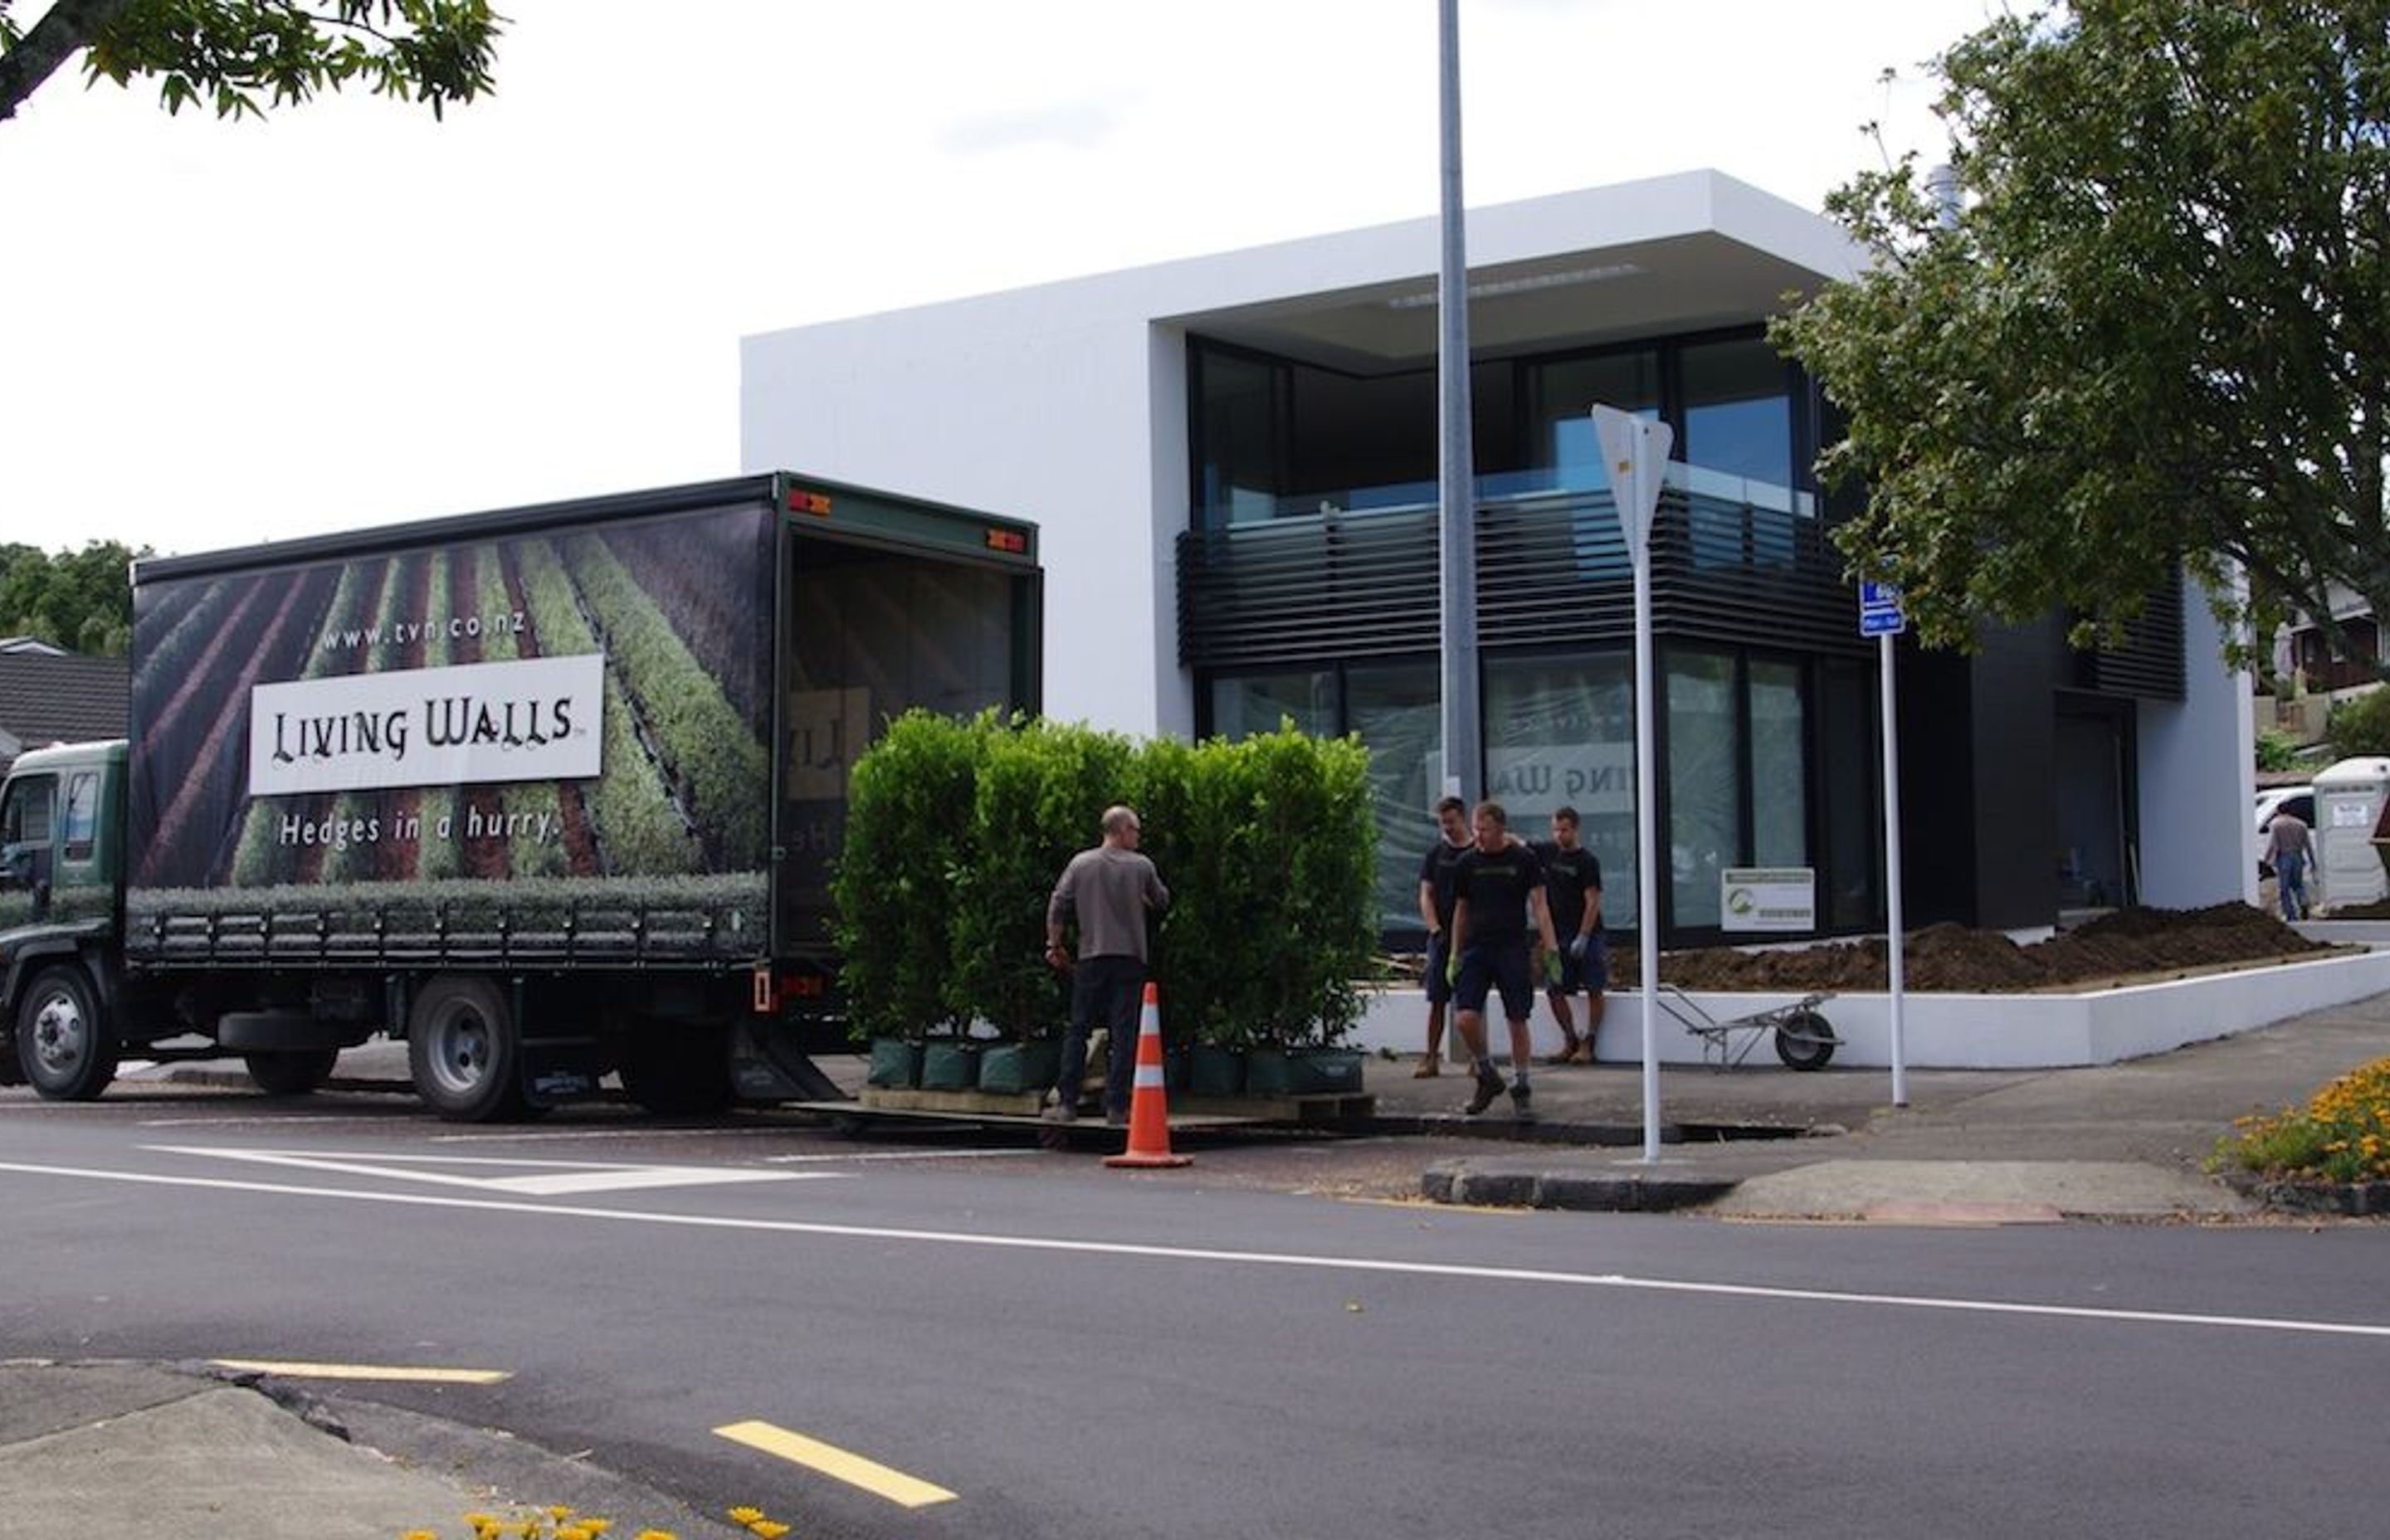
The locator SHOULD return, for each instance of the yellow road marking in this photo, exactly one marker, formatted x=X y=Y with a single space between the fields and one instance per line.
x=854 y=1470
x=418 y=1374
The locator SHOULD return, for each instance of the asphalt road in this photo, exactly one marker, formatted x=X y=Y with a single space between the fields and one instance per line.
x=1070 y=1351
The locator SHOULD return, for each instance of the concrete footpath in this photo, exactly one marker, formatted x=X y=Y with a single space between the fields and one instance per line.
x=93 y=1449
x=2120 y=1141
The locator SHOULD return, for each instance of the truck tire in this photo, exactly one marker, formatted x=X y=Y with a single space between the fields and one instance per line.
x=677 y=1068
x=291 y=1072
x=464 y=1051
x=65 y=1043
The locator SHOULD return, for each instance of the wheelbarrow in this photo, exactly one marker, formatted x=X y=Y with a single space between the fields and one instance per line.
x=1804 y=1040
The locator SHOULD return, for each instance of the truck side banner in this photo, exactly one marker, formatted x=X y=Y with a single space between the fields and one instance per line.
x=564 y=726
x=537 y=719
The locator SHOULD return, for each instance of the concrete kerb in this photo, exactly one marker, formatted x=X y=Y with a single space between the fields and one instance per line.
x=110 y=1448
x=1623 y=1187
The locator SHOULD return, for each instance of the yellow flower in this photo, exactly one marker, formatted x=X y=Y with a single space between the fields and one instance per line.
x=745 y=1515
x=769 y=1529
x=418 y=1534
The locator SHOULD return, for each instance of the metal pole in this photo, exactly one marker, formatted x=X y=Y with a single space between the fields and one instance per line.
x=1647 y=861
x=1896 y=941
x=1457 y=494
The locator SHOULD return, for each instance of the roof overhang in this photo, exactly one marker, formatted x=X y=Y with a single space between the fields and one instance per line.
x=1609 y=264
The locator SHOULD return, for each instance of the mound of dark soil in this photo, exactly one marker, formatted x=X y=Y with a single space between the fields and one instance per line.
x=1953 y=959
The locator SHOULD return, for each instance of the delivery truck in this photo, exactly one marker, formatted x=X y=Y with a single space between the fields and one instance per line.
x=549 y=793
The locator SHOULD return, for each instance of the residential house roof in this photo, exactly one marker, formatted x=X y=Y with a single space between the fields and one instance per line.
x=47 y=697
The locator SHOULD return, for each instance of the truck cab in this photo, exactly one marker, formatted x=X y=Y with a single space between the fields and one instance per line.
x=61 y=901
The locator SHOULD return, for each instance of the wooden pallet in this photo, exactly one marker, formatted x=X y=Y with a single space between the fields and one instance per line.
x=1186 y=1112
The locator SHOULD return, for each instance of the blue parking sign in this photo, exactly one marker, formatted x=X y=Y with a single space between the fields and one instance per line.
x=1880 y=612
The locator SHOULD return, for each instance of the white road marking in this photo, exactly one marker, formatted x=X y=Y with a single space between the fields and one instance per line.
x=550 y=1135
x=1255 y=1259
x=552 y=1178
x=900 y=1155
x=265 y=1120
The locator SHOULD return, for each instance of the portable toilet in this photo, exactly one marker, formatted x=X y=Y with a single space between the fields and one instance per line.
x=2350 y=797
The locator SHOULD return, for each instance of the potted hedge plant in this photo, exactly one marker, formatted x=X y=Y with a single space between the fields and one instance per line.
x=1270 y=851
x=892 y=890
x=1037 y=800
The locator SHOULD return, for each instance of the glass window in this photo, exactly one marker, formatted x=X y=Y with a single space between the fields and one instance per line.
x=1738 y=419
x=1854 y=819
x=1238 y=453
x=26 y=819
x=1568 y=388
x=1704 y=775
x=1779 y=792
x=81 y=819
x=1257 y=703
x=1398 y=710
x=1560 y=732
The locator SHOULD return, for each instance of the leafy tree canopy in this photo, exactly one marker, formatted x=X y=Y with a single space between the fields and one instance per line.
x=81 y=600
x=2153 y=326
x=242 y=55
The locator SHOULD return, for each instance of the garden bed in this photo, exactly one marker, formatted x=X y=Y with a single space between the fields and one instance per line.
x=2126 y=945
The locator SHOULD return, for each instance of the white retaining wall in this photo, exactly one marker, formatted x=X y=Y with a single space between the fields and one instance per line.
x=1955 y=1032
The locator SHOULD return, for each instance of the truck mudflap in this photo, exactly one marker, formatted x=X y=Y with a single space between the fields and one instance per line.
x=559 y=1070
x=768 y=1065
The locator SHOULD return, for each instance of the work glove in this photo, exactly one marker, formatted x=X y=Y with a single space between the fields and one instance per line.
x=1576 y=946
x=1451 y=966
x=1552 y=965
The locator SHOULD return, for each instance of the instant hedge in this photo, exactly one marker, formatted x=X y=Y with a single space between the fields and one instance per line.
x=956 y=831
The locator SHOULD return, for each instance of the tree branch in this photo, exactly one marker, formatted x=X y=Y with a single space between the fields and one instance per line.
x=64 y=29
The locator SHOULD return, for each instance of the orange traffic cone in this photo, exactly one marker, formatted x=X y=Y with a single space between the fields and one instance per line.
x=1148 y=1108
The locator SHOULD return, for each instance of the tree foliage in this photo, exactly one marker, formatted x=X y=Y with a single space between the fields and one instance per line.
x=2153 y=327
x=2360 y=727
x=81 y=600
x=242 y=55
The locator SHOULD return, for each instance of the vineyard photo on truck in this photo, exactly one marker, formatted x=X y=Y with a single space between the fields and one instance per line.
x=550 y=793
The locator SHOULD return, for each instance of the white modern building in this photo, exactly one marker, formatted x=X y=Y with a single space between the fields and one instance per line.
x=1233 y=462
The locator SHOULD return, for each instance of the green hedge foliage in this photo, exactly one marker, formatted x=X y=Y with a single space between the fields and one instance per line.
x=956 y=830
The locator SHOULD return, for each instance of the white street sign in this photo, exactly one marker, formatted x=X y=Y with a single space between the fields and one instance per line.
x=1636 y=450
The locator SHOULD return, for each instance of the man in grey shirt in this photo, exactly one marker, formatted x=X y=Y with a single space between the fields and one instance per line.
x=1110 y=890
x=2292 y=850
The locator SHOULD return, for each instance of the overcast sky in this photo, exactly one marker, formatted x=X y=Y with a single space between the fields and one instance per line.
x=348 y=314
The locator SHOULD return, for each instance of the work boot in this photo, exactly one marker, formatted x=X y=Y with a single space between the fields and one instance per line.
x=1523 y=1102
x=1489 y=1086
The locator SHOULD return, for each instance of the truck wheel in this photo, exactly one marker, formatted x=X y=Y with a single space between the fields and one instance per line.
x=291 y=1073
x=462 y=1050
x=677 y=1068
x=65 y=1044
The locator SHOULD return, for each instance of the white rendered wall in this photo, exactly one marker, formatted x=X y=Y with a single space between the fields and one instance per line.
x=2195 y=761
x=1065 y=404
x=1029 y=404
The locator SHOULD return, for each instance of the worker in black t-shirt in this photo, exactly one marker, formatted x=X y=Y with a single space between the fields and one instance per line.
x=1435 y=913
x=1573 y=891
x=1497 y=890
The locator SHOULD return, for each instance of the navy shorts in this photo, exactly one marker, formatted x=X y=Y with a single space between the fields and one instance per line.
x=1439 y=988
x=1497 y=965
x=1591 y=976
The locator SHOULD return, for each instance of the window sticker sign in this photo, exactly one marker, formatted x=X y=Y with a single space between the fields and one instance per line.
x=1767 y=898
